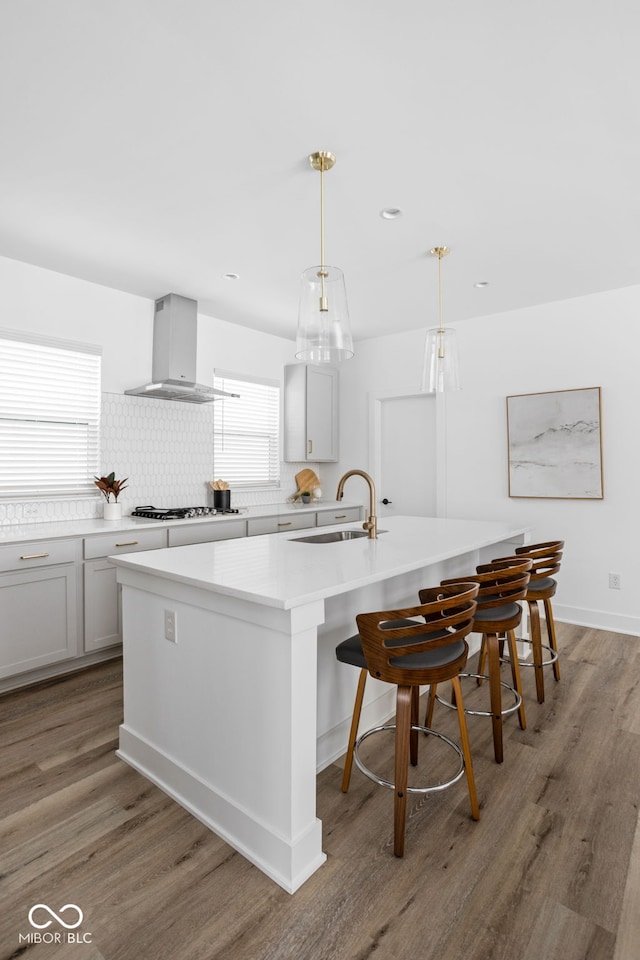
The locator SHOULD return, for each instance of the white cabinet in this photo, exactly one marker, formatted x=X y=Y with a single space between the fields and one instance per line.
x=346 y=515
x=49 y=624
x=280 y=524
x=38 y=605
x=102 y=616
x=310 y=413
x=206 y=532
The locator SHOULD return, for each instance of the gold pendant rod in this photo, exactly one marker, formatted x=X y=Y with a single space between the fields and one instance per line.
x=324 y=306
x=322 y=160
x=322 y=215
x=440 y=252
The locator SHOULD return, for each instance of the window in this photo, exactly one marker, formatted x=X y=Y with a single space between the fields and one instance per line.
x=246 y=441
x=49 y=416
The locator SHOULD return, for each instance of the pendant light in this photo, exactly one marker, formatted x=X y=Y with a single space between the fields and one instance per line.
x=440 y=370
x=324 y=330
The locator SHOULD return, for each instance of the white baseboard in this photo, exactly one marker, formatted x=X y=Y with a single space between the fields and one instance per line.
x=597 y=619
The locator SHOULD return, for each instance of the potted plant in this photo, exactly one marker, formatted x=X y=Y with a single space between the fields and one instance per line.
x=306 y=497
x=110 y=487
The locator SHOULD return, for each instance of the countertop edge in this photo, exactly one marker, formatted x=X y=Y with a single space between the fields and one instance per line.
x=144 y=565
x=72 y=529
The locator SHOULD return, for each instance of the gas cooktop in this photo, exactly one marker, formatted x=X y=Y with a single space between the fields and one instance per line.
x=177 y=513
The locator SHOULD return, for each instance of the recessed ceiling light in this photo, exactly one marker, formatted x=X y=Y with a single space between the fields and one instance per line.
x=231 y=276
x=481 y=283
x=391 y=213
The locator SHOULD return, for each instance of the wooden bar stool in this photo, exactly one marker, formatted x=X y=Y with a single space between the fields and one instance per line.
x=501 y=585
x=545 y=558
x=409 y=648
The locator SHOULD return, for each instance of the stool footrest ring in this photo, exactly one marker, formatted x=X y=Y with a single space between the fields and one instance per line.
x=553 y=656
x=387 y=783
x=485 y=713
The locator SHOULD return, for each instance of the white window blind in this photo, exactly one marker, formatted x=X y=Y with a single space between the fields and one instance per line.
x=246 y=445
x=49 y=416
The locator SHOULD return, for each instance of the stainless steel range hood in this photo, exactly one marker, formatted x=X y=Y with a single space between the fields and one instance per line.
x=173 y=369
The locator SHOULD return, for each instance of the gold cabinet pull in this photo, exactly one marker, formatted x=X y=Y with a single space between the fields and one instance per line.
x=340 y=516
x=310 y=442
x=285 y=523
x=129 y=543
x=34 y=556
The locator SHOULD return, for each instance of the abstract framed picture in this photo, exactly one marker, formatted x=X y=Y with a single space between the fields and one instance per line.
x=555 y=444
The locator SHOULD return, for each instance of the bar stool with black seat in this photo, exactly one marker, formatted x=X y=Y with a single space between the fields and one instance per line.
x=396 y=647
x=501 y=585
x=545 y=558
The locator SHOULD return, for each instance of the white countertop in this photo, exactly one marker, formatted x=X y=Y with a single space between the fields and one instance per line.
x=19 y=532
x=277 y=571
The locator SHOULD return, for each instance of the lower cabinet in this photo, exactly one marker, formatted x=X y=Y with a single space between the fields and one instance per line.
x=206 y=532
x=102 y=619
x=346 y=515
x=38 y=605
x=43 y=620
x=102 y=608
x=280 y=524
x=102 y=615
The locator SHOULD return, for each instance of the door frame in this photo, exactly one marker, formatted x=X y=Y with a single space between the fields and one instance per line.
x=375 y=439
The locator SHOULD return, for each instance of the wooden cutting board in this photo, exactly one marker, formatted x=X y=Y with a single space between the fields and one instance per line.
x=307 y=480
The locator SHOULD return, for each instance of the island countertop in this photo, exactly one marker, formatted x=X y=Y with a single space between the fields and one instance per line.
x=278 y=570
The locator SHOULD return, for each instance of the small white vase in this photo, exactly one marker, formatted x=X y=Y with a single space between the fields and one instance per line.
x=112 y=511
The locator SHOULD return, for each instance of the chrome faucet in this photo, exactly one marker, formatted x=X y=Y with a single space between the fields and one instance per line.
x=371 y=523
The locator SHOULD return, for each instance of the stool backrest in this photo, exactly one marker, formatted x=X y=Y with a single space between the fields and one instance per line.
x=500 y=582
x=545 y=558
x=446 y=618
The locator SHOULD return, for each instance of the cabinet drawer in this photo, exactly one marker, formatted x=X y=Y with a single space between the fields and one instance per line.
x=280 y=524
x=41 y=553
x=206 y=532
x=127 y=541
x=348 y=515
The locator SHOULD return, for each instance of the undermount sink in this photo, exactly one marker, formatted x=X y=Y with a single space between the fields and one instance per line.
x=335 y=536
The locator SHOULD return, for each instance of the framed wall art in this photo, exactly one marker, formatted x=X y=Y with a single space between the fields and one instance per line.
x=555 y=444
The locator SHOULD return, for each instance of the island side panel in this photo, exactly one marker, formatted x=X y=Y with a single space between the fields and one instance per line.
x=224 y=719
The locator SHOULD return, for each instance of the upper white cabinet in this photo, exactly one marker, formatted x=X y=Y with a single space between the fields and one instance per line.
x=310 y=412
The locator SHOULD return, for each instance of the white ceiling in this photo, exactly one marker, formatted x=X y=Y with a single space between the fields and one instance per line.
x=155 y=145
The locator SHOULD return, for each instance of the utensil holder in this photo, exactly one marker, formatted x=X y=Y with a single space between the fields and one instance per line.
x=222 y=499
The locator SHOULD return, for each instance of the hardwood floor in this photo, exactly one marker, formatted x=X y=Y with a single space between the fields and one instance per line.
x=550 y=872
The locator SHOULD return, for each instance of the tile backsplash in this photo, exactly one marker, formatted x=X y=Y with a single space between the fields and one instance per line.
x=166 y=451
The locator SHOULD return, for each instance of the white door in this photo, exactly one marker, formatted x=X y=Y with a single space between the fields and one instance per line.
x=407 y=456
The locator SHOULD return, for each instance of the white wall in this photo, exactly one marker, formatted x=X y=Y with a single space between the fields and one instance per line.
x=42 y=301
x=586 y=342
x=166 y=449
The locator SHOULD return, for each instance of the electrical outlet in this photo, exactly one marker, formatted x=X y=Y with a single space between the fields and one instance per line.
x=614 y=581
x=170 y=626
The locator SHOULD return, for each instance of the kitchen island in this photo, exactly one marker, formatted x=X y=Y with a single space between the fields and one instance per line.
x=233 y=699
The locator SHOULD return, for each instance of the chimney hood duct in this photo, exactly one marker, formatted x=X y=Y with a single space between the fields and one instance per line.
x=173 y=370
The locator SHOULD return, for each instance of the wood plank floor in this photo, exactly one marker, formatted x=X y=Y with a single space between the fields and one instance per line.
x=550 y=872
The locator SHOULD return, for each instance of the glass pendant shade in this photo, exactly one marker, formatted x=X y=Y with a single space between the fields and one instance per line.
x=440 y=372
x=324 y=335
